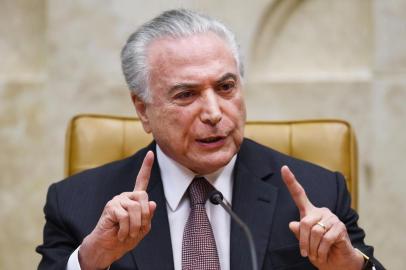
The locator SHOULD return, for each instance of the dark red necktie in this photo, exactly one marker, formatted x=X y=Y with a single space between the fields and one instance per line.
x=199 y=251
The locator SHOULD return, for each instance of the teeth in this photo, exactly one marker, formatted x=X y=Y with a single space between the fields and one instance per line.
x=213 y=139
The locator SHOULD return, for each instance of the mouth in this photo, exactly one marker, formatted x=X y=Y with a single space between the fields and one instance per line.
x=209 y=140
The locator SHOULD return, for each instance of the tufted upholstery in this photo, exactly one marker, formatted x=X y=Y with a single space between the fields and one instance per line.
x=93 y=140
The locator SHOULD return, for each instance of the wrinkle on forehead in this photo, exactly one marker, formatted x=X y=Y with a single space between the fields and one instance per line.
x=197 y=56
x=183 y=50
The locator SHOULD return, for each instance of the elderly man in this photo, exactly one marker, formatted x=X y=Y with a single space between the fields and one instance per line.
x=149 y=211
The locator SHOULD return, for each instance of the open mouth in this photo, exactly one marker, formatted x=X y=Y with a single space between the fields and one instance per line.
x=211 y=139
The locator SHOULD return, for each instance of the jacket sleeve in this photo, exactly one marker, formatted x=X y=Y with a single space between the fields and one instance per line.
x=58 y=243
x=350 y=218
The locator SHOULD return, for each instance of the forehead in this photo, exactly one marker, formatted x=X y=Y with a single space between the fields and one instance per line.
x=194 y=57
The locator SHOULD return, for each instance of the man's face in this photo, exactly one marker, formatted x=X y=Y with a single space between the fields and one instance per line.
x=197 y=112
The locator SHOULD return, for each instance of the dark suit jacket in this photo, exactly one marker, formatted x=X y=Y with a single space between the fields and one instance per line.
x=260 y=198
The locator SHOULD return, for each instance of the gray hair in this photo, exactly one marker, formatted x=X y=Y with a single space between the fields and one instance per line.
x=173 y=23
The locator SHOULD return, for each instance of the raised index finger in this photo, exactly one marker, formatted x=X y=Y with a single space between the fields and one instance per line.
x=141 y=183
x=296 y=191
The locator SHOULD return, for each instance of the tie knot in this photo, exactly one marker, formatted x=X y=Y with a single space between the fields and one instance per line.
x=199 y=190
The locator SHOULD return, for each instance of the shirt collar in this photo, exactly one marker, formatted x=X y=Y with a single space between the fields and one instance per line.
x=176 y=178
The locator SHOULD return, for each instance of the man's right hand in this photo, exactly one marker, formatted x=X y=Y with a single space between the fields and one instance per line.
x=125 y=221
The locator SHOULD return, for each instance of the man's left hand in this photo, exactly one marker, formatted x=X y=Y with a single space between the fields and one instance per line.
x=323 y=238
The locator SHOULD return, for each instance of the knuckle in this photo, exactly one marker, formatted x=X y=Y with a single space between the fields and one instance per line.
x=143 y=195
x=118 y=198
x=121 y=215
x=125 y=194
x=134 y=204
x=333 y=219
x=306 y=223
x=140 y=195
x=298 y=191
x=342 y=226
x=317 y=230
x=343 y=235
x=147 y=225
x=130 y=206
x=137 y=225
x=329 y=240
x=335 y=223
x=145 y=230
x=325 y=210
x=110 y=206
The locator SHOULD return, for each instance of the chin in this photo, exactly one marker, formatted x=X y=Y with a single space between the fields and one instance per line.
x=213 y=165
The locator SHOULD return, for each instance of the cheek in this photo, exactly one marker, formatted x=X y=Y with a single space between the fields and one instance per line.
x=237 y=116
x=179 y=121
x=237 y=112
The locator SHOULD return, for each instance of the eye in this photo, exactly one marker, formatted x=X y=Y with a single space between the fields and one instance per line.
x=187 y=94
x=226 y=86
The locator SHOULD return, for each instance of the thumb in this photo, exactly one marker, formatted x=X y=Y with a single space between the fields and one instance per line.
x=152 y=207
x=294 y=226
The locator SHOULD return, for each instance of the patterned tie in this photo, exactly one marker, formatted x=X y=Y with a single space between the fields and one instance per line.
x=199 y=250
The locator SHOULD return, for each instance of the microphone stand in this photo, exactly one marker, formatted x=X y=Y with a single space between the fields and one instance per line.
x=217 y=198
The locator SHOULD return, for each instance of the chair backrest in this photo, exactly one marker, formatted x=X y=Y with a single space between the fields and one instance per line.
x=93 y=140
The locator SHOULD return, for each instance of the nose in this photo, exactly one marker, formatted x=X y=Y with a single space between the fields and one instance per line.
x=211 y=111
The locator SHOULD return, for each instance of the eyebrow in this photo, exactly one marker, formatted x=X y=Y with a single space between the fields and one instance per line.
x=226 y=77
x=179 y=86
x=223 y=78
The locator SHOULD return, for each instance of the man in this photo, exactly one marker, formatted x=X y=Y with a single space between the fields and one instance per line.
x=185 y=76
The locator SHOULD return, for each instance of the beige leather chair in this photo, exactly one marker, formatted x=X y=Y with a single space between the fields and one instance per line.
x=93 y=140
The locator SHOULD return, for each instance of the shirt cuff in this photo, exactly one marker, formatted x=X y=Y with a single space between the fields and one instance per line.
x=73 y=262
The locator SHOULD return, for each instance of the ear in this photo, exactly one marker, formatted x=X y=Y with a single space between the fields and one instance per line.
x=141 y=108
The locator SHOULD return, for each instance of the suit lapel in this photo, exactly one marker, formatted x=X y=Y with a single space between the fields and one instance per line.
x=254 y=201
x=155 y=251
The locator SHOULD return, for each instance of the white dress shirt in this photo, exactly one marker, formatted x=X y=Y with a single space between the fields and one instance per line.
x=176 y=179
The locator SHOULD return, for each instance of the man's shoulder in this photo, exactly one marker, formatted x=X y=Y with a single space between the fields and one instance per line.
x=257 y=153
x=260 y=158
x=79 y=199
x=321 y=184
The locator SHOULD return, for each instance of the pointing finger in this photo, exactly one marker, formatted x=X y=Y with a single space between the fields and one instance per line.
x=296 y=191
x=141 y=183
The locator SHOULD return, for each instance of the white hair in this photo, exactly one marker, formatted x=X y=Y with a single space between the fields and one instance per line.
x=173 y=23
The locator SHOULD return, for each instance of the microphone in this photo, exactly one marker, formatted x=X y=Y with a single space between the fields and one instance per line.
x=217 y=198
